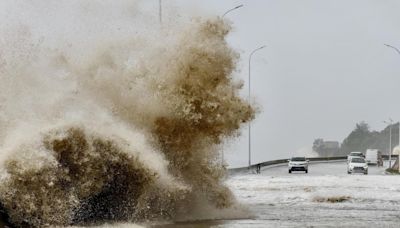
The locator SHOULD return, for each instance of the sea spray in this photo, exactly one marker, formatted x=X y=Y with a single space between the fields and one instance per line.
x=205 y=107
x=130 y=132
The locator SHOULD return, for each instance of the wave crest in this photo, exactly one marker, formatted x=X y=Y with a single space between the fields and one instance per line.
x=87 y=163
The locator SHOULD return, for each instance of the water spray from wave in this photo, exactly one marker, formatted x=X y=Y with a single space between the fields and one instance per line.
x=128 y=133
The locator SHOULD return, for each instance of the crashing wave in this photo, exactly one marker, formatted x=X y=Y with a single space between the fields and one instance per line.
x=108 y=139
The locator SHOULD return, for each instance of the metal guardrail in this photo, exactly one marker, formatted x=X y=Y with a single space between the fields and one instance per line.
x=283 y=161
x=385 y=156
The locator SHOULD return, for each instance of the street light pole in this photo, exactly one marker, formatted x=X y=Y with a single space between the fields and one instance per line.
x=237 y=7
x=398 y=52
x=251 y=55
x=390 y=147
x=390 y=141
x=160 y=11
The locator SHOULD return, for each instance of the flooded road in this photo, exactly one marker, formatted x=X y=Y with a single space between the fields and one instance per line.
x=278 y=199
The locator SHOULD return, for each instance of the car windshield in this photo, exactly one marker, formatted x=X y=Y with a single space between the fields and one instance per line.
x=299 y=159
x=358 y=160
x=355 y=153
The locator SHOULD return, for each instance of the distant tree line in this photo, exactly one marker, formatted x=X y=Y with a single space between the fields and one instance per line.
x=360 y=139
x=326 y=148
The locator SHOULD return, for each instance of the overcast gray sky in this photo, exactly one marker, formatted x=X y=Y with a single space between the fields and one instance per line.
x=324 y=69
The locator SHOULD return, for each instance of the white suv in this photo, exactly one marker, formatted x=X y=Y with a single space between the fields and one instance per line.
x=298 y=164
x=357 y=164
x=353 y=155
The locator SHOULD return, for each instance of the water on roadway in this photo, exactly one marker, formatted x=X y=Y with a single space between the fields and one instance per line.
x=276 y=198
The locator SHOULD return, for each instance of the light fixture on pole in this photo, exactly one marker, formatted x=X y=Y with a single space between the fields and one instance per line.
x=237 y=7
x=393 y=47
x=251 y=55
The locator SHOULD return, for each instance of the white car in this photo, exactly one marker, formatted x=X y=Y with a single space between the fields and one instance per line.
x=357 y=165
x=298 y=164
x=353 y=155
